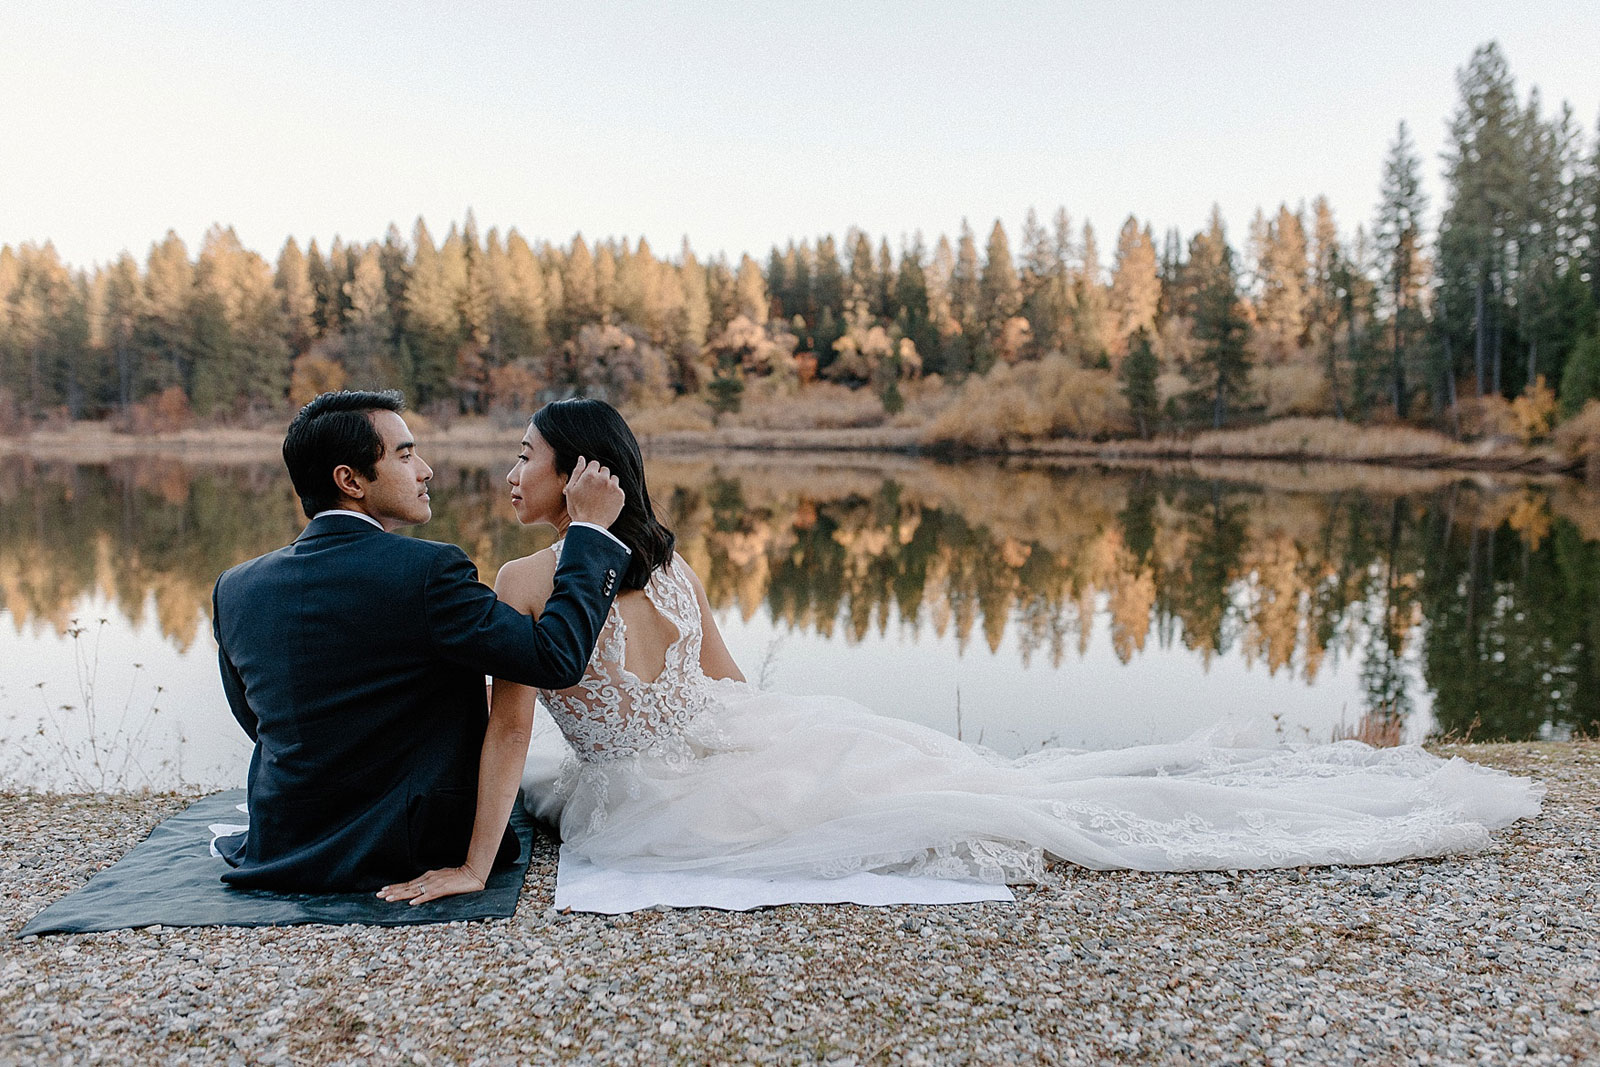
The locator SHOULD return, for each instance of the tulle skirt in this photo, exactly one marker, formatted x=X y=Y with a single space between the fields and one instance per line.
x=767 y=784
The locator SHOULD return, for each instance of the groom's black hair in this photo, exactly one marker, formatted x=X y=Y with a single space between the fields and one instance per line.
x=593 y=429
x=335 y=430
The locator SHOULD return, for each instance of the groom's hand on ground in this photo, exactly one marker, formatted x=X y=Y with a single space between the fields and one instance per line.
x=447 y=882
x=593 y=494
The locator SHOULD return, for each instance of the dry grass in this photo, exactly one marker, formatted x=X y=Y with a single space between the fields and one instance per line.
x=1378 y=728
x=1291 y=389
x=1328 y=439
x=681 y=413
x=1489 y=418
x=1578 y=438
x=771 y=405
x=1033 y=401
x=1171 y=385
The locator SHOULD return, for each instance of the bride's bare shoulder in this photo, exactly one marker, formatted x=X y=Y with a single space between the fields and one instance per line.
x=525 y=583
x=681 y=565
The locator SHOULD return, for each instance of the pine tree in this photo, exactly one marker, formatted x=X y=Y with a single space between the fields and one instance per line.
x=293 y=282
x=1571 y=319
x=1484 y=178
x=828 y=282
x=1355 y=331
x=1220 y=369
x=1135 y=294
x=634 y=278
x=341 y=267
x=11 y=376
x=525 y=306
x=605 y=280
x=804 y=269
x=1172 y=266
x=864 y=283
x=722 y=292
x=965 y=290
x=1324 y=301
x=433 y=321
x=1000 y=292
x=696 y=315
x=321 y=288
x=751 y=292
x=1587 y=216
x=123 y=308
x=239 y=351
x=395 y=258
x=913 y=316
x=49 y=331
x=1089 y=306
x=1282 y=270
x=164 y=330
x=1139 y=372
x=940 y=279
x=1043 y=303
x=1550 y=236
x=580 y=286
x=1398 y=235
x=368 y=354
x=779 y=282
x=476 y=293
x=1580 y=378
x=665 y=302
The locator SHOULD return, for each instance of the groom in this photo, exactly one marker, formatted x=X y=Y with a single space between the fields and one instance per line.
x=354 y=658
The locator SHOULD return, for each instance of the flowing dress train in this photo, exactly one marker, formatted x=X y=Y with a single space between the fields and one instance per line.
x=681 y=772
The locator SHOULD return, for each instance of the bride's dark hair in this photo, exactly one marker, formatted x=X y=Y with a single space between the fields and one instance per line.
x=594 y=430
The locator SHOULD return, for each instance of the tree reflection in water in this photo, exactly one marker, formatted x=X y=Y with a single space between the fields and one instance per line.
x=1493 y=591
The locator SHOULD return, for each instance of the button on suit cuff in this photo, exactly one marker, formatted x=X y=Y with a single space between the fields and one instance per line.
x=608 y=533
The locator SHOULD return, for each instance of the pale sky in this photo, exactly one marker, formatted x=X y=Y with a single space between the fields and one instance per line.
x=737 y=124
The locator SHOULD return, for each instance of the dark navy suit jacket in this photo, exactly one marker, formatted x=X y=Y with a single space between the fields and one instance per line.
x=354 y=659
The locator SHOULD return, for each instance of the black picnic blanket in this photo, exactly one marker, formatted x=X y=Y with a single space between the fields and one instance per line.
x=171 y=879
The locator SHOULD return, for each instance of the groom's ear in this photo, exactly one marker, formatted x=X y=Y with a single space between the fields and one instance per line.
x=349 y=482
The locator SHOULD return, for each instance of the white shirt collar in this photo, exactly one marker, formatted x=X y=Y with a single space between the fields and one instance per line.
x=346 y=511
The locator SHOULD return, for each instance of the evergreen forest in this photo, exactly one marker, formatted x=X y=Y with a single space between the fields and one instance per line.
x=1492 y=309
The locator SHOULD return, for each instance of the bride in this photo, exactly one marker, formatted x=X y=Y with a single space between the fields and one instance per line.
x=682 y=765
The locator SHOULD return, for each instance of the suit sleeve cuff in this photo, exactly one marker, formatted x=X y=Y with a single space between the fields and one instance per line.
x=608 y=533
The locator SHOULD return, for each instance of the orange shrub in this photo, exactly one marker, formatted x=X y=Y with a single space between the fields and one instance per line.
x=1534 y=411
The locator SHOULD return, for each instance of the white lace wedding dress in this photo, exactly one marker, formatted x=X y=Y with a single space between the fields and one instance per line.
x=685 y=773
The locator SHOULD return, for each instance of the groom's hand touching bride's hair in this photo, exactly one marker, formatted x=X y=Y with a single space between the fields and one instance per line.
x=593 y=494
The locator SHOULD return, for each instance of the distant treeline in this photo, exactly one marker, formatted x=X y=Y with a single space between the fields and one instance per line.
x=1387 y=319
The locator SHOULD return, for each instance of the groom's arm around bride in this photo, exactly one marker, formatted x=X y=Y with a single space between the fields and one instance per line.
x=355 y=658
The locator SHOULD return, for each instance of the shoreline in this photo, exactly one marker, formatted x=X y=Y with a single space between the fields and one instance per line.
x=88 y=442
x=1493 y=956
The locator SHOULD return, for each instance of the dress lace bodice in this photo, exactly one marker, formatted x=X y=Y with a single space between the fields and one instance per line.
x=613 y=713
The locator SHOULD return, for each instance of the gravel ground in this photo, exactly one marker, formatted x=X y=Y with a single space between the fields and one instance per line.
x=1492 y=958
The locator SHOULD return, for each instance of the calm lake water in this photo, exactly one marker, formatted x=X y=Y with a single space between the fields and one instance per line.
x=1016 y=606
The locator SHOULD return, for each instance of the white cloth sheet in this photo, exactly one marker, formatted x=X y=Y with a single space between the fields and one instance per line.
x=581 y=886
